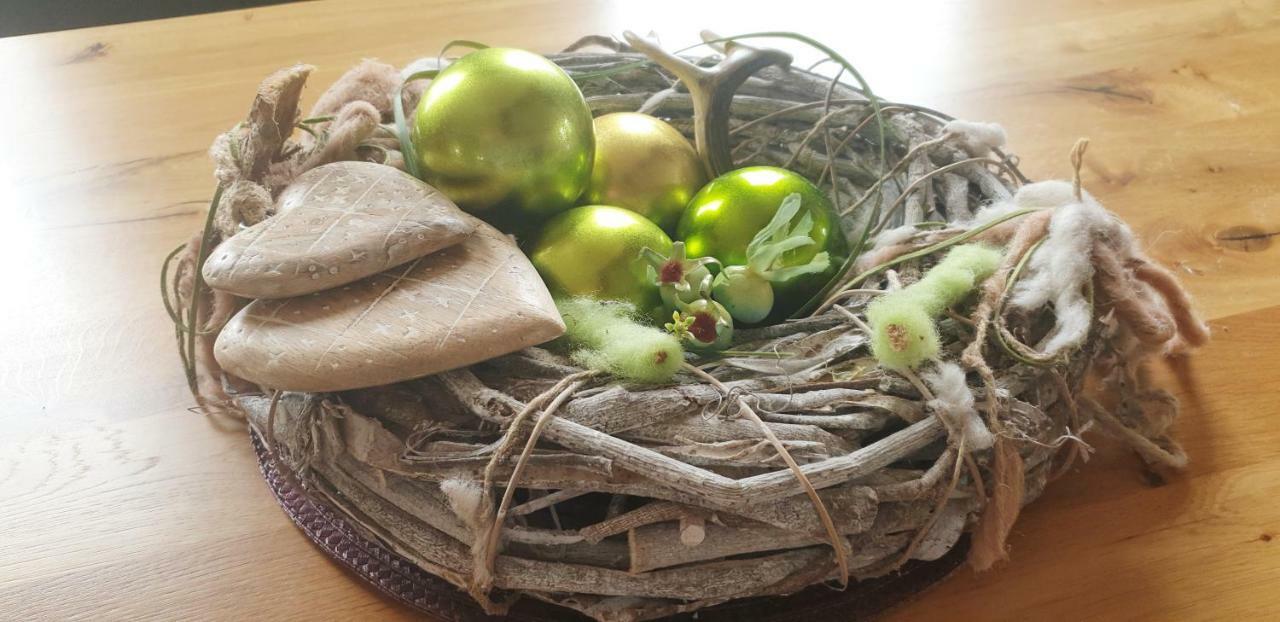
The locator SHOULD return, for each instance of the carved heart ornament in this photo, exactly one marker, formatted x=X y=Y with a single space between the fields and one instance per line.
x=461 y=305
x=336 y=224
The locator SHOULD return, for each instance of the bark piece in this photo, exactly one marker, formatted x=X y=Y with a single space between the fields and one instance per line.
x=336 y=224
x=470 y=302
x=944 y=533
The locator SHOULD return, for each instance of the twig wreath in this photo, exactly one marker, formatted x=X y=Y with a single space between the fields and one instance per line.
x=935 y=387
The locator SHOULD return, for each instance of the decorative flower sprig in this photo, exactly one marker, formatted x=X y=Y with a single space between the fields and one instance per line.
x=706 y=307
x=703 y=325
x=679 y=325
x=680 y=280
x=747 y=290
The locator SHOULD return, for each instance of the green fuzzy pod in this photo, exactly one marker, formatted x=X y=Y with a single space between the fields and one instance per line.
x=980 y=259
x=903 y=331
x=903 y=334
x=942 y=287
x=608 y=339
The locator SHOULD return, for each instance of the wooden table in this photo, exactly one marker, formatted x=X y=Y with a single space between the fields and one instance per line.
x=116 y=502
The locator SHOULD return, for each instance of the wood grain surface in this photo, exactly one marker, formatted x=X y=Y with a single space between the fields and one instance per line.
x=116 y=503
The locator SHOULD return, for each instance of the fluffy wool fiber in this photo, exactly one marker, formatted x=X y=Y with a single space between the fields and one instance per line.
x=608 y=339
x=354 y=123
x=903 y=330
x=976 y=137
x=953 y=401
x=888 y=244
x=464 y=498
x=370 y=81
x=1043 y=194
x=894 y=237
x=1059 y=269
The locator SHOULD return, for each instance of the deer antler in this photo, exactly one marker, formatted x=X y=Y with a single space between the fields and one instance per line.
x=712 y=89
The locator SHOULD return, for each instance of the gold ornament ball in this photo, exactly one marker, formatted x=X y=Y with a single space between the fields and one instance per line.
x=644 y=165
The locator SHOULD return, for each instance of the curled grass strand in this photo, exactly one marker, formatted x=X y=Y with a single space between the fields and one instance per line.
x=197 y=290
x=924 y=252
x=402 y=126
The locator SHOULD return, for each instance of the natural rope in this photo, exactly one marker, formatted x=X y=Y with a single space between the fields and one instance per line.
x=1073 y=409
x=1190 y=328
x=1007 y=486
x=1149 y=321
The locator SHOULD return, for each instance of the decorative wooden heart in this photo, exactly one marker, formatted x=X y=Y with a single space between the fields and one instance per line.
x=464 y=304
x=336 y=224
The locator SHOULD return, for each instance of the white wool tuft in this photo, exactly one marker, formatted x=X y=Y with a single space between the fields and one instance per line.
x=1059 y=269
x=953 y=401
x=895 y=236
x=992 y=211
x=1073 y=320
x=1051 y=193
x=1042 y=194
x=976 y=137
x=464 y=499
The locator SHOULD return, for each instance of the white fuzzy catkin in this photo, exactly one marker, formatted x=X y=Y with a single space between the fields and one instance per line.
x=464 y=499
x=1059 y=269
x=977 y=137
x=953 y=401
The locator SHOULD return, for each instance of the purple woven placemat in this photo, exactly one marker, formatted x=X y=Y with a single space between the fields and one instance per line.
x=400 y=580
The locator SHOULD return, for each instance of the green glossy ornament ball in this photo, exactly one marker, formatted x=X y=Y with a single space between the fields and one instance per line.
x=595 y=251
x=644 y=165
x=505 y=134
x=723 y=217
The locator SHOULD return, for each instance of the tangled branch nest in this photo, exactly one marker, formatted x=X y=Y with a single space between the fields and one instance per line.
x=527 y=476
